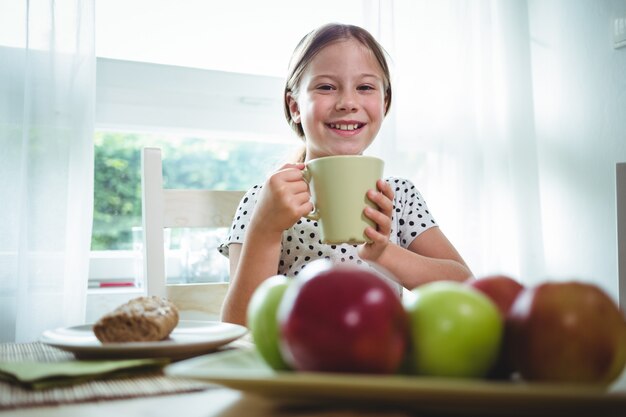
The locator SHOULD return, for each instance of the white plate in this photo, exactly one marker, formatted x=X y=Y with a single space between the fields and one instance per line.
x=189 y=338
x=244 y=370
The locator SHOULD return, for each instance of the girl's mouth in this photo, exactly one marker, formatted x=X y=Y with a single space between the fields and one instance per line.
x=347 y=127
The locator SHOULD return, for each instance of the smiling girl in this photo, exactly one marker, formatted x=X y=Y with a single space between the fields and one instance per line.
x=337 y=94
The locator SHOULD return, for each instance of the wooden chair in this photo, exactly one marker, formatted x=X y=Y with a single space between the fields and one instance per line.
x=172 y=208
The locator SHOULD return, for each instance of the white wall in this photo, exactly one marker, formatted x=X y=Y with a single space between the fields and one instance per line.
x=580 y=100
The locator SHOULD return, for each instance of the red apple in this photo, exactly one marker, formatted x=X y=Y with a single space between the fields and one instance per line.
x=567 y=332
x=342 y=319
x=501 y=289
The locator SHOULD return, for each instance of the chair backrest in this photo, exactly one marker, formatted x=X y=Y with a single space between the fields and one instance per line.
x=166 y=208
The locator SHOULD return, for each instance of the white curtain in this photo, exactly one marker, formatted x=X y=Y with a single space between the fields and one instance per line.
x=462 y=124
x=47 y=87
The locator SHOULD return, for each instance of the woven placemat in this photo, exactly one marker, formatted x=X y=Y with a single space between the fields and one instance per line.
x=155 y=383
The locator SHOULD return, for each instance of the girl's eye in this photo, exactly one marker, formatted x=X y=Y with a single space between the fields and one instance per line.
x=325 y=87
x=365 y=87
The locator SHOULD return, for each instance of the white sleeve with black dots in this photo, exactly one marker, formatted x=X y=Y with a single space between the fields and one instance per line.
x=411 y=215
x=241 y=219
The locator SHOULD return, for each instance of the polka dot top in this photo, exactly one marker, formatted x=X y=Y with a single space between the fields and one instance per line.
x=301 y=243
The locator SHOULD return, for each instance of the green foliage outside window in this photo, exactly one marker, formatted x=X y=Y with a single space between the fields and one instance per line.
x=221 y=164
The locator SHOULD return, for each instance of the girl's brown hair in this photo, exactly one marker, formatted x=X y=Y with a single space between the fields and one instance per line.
x=311 y=45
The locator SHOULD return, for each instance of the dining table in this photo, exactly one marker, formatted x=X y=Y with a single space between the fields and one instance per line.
x=152 y=394
x=173 y=391
x=212 y=402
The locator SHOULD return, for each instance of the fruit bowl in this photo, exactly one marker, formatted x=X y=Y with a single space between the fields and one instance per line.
x=245 y=370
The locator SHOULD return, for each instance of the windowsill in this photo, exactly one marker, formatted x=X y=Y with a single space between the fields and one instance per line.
x=123 y=269
x=115 y=290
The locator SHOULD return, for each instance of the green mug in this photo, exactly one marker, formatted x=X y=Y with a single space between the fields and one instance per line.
x=338 y=186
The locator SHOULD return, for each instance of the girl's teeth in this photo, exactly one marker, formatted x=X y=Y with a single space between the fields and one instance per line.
x=345 y=127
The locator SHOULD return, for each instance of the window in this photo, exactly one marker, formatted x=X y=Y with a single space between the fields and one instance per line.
x=217 y=130
x=188 y=162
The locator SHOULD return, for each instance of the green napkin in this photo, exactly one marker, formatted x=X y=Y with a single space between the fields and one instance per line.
x=41 y=375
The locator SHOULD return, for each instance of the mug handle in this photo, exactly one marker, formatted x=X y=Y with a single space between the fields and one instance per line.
x=306 y=176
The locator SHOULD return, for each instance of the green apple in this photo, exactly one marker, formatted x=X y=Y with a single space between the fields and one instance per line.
x=262 y=320
x=456 y=331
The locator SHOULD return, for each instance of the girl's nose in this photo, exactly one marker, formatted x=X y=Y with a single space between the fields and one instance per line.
x=347 y=102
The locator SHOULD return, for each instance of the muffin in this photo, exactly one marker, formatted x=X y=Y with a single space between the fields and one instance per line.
x=142 y=319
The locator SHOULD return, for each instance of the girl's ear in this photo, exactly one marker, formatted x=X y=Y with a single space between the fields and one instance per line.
x=387 y=103
x=293 y=108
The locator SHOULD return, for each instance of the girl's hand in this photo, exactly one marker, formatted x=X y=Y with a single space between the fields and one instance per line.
x=283 y=200
x=383 y=198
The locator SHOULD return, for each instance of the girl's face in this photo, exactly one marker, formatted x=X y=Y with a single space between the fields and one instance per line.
x=340 y=100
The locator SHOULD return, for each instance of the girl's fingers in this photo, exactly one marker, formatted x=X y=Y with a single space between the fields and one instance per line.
x=385 y=189
x=292 y=173
x=371 y=233
x=298 y=166
x=299 y=187
x=306 y=208
x=301 y=198
x=384 y=203
x=376 y=237
x=381 y=219
x=288 y=181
